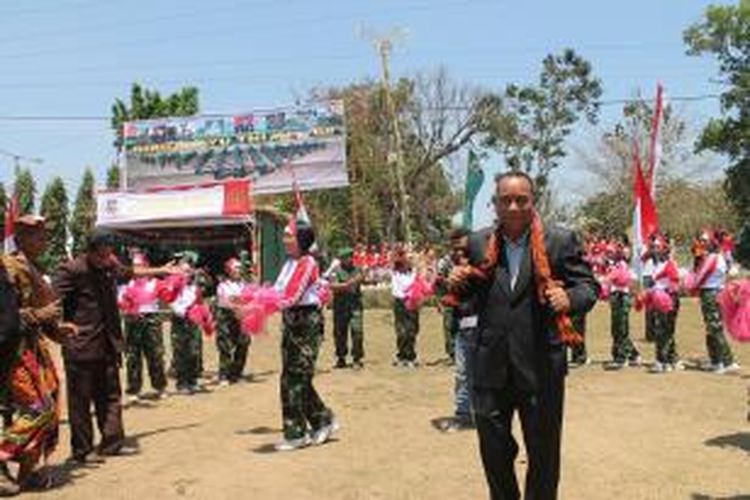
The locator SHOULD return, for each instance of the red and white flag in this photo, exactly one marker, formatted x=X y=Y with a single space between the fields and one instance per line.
x=11 y=213
x=645 y=217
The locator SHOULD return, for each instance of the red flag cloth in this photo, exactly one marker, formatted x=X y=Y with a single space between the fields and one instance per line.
x=649 y=220
x=237 y=198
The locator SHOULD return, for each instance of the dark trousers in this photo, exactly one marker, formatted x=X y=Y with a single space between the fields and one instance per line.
x=541 y=422
x=348 y=319
x=96 y=382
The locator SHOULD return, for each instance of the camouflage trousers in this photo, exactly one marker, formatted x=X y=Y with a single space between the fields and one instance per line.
x=649 y=315
x=144 y=339
x=301 y=406
x=450 y=330
x=406 y=323
x=232 y=345
x=578 y=352
x=716 y=343
x=623 y=348
x=187 y=351
x=348 y=319
x=664 y=332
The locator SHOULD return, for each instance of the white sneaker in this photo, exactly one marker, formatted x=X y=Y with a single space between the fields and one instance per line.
x=292 y=444
x=132 y=399
x=679 y=366
x=223 y=383
x=324 y=433
x=162 y=394
x=657 y=367
x=732 y=368
x=719 y=369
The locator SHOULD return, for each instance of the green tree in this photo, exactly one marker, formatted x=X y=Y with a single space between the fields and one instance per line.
x=535 y=121
x=54 y=208
x=25 y=191
x=724 y=33
x=113 y=177
x=369 y=210
x=84 y=213
x=145 y=104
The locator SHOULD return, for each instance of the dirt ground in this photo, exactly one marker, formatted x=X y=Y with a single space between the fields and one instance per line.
x=627 y=434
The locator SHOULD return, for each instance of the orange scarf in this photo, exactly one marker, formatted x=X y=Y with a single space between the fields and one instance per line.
x=542 y=274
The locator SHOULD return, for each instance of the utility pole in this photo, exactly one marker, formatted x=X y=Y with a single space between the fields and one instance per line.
x=384 y=46
x=18 y=158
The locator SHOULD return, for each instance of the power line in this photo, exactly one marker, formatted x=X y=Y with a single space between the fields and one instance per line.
x=99 y=118
x=230 y=29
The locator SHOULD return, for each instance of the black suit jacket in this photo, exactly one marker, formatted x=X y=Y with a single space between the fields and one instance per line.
x=89 y=299
x=517 y=342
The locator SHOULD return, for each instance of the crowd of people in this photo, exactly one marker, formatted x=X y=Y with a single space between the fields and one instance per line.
x=512 y=298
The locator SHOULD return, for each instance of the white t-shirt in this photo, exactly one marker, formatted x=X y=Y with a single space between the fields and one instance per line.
x=400 y=282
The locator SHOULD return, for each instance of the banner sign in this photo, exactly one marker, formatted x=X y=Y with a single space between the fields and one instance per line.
x=217 y=203
x=271 y=148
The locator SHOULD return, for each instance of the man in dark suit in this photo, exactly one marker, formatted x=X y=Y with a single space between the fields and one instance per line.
x=519 y=360
x=87 y=287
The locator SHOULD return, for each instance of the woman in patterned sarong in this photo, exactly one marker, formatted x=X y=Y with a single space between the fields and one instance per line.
x=30 y=387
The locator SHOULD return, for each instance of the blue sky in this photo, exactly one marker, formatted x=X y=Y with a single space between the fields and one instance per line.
x=73 y=57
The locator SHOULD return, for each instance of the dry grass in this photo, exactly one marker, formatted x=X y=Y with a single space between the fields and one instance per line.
x=628 y=434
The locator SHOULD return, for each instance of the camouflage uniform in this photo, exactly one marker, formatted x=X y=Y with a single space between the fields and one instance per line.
x=144 y=338
x=348 y=316
x=664 y=331
x=232 y=345
x=649 y=314
x=716 y=344
x=300 y=343
x=623 y=348
x=450 y=331
x=450 y=319
x=578 y=352
x=186 y=351
x=407 y=328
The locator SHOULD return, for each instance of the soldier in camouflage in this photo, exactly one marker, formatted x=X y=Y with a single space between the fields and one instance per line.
x=231 y=343
x=709 y=281
x=306 y=419
x=186 y=337
x=347 y=310
x=144 y=338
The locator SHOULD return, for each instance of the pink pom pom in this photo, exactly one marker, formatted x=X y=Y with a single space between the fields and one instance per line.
x=269 y=298
x=660 y=300
x=605 y=291
x=170 y=287
x=127 y=305
x=734 y=303
x=254 y=318
x=418 y=292
x=620 y=276
x=200 y=315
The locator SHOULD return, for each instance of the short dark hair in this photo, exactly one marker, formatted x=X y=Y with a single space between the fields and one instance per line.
x=305 y=237
x=517 y=174
x=99 y=239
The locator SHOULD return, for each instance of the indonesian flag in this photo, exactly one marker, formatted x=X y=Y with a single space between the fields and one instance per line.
x=300 y=212
x=645 y=218
x=654 y=151
x=11 y=213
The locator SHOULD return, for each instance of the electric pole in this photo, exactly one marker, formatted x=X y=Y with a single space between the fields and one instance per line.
x=384 y=46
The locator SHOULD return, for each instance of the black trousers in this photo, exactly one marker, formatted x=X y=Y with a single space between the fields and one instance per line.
x=96 y=382
x=541 y=422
